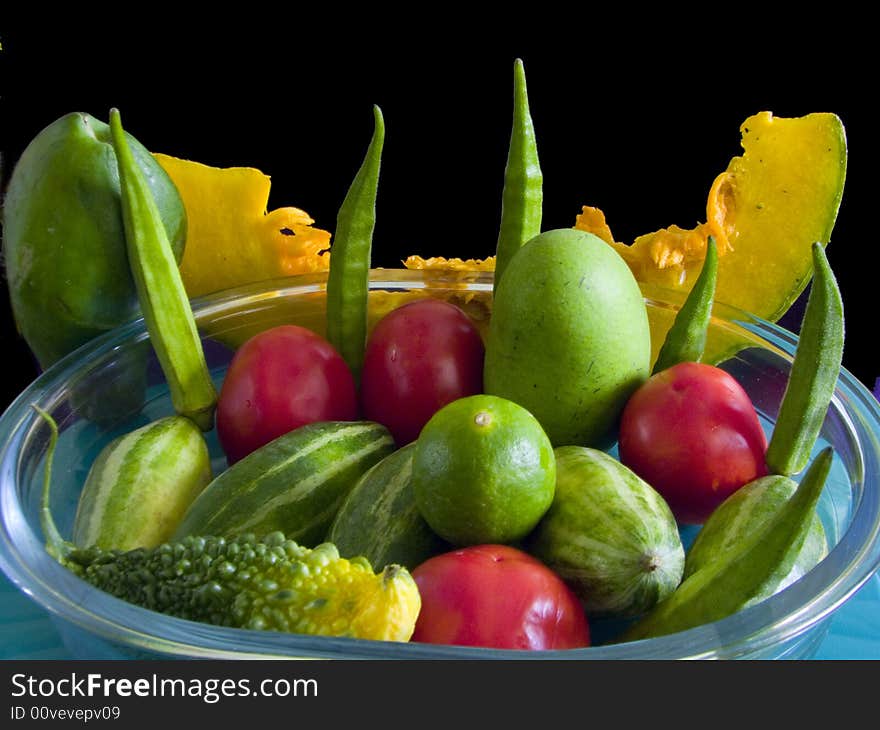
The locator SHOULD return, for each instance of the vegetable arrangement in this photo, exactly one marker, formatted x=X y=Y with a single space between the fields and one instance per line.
x=421 y=481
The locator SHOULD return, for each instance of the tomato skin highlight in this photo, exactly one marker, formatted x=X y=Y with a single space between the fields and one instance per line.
x=418 y=358
x=692 y=432
x=279 y=380
x=496 y=596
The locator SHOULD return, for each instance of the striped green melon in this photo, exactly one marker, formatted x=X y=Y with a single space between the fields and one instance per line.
x=747 y=511
x=141 y=484
x=294 y=484
x=379 y=519
x=609 y=535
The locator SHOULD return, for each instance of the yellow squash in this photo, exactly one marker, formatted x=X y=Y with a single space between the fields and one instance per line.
x=231 y=239
x=765 y=211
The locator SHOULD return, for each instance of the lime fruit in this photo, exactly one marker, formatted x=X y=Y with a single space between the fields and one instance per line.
x=483 y=471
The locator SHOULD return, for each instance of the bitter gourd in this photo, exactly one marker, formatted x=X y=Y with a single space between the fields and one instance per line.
x=270 y=584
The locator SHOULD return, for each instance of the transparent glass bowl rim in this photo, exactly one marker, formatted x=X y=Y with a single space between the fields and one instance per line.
x=783 y=617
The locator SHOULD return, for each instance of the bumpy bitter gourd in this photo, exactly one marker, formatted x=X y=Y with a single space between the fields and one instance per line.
x=270 y=584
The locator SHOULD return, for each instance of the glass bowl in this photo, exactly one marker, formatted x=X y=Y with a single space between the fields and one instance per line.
x=113 y=385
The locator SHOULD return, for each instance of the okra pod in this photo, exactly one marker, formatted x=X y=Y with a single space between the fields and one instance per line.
x=814 y=373
x=162 y=296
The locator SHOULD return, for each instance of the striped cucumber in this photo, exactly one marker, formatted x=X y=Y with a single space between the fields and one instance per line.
x=379 y=519
x=141 y=484
x=294 y=484
x=609 y=535
x=747 y=511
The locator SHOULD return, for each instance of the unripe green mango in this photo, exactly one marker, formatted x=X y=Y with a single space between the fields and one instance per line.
x=569 y=338
x=63 y=236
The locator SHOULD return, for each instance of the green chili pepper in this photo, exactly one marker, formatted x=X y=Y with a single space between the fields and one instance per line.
x=163 y=299
x=348 y=280
x=686 y=339
x=727 y=584
x=522 y=197
x=814 y=373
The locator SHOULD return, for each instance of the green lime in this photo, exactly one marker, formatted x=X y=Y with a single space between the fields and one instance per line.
x=483 y=471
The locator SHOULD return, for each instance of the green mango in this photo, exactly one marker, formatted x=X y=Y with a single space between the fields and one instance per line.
x=63 y=236
x=569 y=338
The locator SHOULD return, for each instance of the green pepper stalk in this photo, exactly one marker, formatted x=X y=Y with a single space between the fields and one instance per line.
x=522 y=198
x=161 y=293
x=348 y=280
x=686 y=339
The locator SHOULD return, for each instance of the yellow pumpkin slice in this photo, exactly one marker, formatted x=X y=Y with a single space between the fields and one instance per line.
x=765 y=211
x=231 y=239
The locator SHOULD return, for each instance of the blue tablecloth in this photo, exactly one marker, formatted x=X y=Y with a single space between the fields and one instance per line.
x=27 y=632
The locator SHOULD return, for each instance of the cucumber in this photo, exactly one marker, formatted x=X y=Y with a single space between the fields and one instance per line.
x=379 y=519
x=141 y=484
x=609 y=535
x=294 y=484
x=745 y=512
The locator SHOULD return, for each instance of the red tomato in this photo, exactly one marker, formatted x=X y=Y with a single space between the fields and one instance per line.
x=692 y=433
x=279 y=380
x=419 y=357
x=499 y=597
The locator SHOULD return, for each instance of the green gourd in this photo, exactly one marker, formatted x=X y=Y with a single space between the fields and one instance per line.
x=141 y=484
x=732 y=581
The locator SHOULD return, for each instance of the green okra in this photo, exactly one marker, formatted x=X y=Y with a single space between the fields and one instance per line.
x=814 y=373
x=348 y=280
x=686 y=339
x=730 y=582
x=522 y=196
x=161 y=293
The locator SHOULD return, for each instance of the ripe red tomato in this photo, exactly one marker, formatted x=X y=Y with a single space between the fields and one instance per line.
x=692 y=433
x=499 y=597
x=418 y=358
x=278 y=380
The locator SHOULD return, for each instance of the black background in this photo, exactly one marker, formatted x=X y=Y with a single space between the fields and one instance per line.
x=636 y=115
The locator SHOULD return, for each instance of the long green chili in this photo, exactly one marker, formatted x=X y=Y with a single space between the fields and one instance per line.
x=348 y=280
x=161 y=293
x=814 y=373
x=686 y=339
x=522 y=197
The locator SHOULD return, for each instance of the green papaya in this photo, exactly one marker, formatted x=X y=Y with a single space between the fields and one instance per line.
x=63 y=237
